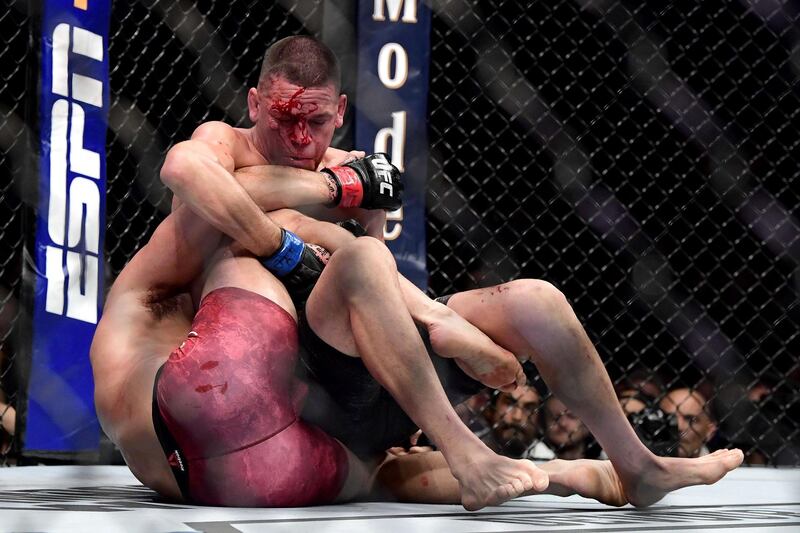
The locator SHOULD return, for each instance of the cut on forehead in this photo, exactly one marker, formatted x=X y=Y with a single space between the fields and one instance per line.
x=281 y=88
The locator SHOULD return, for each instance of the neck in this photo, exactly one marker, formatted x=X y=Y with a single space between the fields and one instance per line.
x=258 y=143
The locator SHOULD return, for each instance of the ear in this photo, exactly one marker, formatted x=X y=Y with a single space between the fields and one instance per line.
x=712 y=429
x=340 y=109
x=252 y=104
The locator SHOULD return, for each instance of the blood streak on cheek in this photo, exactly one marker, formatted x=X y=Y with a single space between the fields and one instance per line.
x=291 y=110
x=300 y=135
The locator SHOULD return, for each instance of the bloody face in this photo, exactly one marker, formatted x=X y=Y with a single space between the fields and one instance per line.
x=294 y=125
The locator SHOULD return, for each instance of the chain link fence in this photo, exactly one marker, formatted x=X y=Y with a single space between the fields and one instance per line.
x=640 y=156
x=643 y=157
x=15 y=149
x=175 y=65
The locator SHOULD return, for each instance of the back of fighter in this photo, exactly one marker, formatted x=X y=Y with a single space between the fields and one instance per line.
x=144 y=319
x=225 y=405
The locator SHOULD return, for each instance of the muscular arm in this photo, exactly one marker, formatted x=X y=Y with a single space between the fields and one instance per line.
x=200 y=172
x=273 y=187
x=173 y=258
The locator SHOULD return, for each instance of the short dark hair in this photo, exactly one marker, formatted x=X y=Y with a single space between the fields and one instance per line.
x=302 y=60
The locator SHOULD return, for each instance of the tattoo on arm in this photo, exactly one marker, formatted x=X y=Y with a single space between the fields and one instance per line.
x=331 y=183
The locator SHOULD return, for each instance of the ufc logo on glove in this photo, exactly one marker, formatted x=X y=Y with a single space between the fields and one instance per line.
x=384 y=171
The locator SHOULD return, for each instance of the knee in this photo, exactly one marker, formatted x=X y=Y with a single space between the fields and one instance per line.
x=528 y=294
x=363 y=261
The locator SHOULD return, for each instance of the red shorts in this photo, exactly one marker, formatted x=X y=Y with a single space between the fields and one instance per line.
x=225 y=409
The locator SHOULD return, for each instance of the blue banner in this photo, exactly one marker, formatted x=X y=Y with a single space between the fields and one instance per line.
x=73 y=106
x=391 y=114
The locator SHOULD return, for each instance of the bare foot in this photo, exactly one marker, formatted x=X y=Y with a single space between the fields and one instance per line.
x=495 y=479
x=475 y=353
x=670 y=473
x=586 y=477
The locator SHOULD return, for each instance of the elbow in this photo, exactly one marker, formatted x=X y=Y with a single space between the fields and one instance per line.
x=177 y=166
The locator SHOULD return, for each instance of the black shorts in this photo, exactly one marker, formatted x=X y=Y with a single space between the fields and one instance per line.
x=348 y=404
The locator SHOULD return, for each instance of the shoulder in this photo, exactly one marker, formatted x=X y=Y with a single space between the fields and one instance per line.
x=214 y=130
x=236 y=142
x=222 y=135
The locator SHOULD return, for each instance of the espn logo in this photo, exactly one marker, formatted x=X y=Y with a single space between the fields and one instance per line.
x=73 y=211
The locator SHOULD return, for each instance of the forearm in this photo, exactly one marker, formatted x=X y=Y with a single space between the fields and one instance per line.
x=273 y=187
x=326 y=234
x=200 y=181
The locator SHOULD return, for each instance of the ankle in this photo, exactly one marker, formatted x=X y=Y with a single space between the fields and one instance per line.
x=637 y=464
x=464 y=458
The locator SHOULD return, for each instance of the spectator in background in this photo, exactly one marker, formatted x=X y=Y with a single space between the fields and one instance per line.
x=472 y=412
x=8 y=316
x=656 y=429
x=765 y=420
x=8 y=414
x=565 y=436
x=695 y=423
x=632 y=404
x=640 y=382
x=8 y=418
x=513 y=421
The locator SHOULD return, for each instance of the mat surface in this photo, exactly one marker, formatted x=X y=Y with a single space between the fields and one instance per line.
x=107 y=499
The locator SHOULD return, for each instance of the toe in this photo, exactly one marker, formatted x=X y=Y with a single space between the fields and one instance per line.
x=528 y=483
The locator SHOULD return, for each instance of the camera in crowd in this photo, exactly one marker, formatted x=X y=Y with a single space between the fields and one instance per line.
x=657 y=429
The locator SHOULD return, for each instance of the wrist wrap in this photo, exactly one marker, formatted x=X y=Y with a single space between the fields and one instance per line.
x=351 y=189
x=288 y=255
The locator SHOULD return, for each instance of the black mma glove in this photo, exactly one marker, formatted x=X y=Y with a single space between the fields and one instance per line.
x=296 y=264
x=353 y=227
x=370 y=183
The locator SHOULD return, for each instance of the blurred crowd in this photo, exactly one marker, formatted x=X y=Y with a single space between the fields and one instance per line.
x=762 y=419
x=8 y=415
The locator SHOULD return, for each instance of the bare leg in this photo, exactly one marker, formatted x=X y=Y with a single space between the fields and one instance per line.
x=416 y=478
x=533 y=320
x=357 y=307
x=425 y=478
